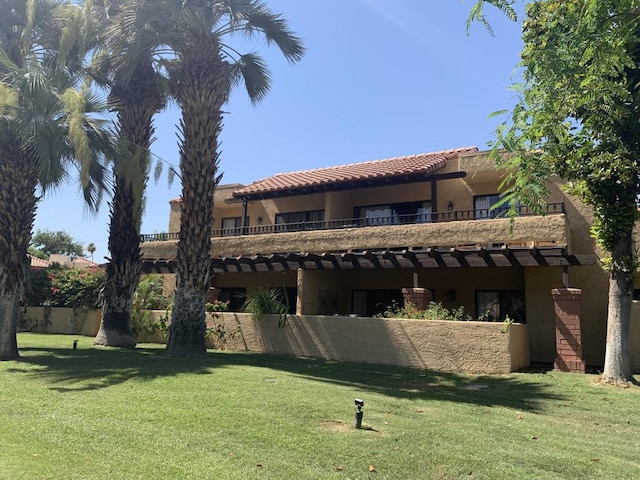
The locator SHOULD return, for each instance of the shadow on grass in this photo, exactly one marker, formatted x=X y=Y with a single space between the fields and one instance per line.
x=516 y=391
x=96 y=368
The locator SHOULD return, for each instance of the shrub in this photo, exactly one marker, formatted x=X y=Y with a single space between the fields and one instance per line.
x=149 y=296
x=265 y=301
x=435 y=311
x=60 y=286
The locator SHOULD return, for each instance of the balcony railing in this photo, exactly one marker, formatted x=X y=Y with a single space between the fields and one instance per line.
x=434 y=217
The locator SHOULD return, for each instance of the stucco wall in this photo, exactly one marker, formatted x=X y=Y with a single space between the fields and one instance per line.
x=540 y=311
x=482 y=178
x=59 y=320
x=551 y=228
x=471 y=347
x=634 y=344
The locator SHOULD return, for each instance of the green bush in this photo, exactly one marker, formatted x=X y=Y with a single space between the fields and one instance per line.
x=149 y=296
x=265 y=301
x=435 y=311
x=59 y=286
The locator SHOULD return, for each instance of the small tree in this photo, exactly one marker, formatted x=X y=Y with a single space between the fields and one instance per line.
x=578 y=118
x=91 y=248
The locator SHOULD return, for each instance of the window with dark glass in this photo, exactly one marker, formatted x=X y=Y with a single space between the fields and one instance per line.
x=497 y=305
x=232 y=226
x=394 y=213
x=234 y=297
x=372 y=302
x=482 y=207
x=296 y=221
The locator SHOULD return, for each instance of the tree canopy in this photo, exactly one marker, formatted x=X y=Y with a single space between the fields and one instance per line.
x=58 y=242
x=577 y=118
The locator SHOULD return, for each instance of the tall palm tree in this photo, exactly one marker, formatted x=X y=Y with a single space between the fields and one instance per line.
x=91 y=248
x=125 y=65
x=47 y=126
x=203 y=68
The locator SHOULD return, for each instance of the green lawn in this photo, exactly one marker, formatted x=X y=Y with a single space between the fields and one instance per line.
x=104 y=413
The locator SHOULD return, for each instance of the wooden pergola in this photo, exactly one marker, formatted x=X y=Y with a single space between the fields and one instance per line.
x=414 y=258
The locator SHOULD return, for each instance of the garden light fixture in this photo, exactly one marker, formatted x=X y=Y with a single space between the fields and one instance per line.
x=359 y=413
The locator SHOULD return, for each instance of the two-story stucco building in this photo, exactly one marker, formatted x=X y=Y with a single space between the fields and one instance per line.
x=348 y=239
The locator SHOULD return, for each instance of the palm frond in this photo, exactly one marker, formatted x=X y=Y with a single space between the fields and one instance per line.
x=253 y=72
x=275 y=30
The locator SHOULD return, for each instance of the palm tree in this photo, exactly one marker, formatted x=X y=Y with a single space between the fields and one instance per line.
x=125 y=65
x=203 y=68
x=91 y=248
x=48 y=124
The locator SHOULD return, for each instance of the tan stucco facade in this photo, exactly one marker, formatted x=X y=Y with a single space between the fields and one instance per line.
x=471 y=347
x=69 y=321
x=329 y=292
x=526 y=230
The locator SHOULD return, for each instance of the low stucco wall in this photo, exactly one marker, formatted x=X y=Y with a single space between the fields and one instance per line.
x=634 y=340
x=471 y=347
x=68 y=321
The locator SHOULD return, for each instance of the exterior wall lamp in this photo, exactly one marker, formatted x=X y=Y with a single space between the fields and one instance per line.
x=450 y=206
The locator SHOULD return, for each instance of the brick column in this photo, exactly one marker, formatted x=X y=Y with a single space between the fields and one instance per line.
x=566 y=302
x=420 y=297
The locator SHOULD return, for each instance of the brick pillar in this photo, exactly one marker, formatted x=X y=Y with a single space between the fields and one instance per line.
x=566 y=302
x=420 y=297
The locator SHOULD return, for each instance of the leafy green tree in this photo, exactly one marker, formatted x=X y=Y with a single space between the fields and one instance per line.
x=50 y=122
x=58 y=242
x=37 y=253
x=477 y=12
x=578 y=118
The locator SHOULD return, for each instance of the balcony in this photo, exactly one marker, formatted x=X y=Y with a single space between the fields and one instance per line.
x=462 y=227
x=436 y=217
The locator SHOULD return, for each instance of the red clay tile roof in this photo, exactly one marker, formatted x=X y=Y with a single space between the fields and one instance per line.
x=37 y=262
x=412 y=165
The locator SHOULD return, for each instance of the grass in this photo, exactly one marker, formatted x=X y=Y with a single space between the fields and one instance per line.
x=127 y=414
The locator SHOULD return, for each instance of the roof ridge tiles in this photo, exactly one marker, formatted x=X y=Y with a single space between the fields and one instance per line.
x=393 y=167
x=381 y=160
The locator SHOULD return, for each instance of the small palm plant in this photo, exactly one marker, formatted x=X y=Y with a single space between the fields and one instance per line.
x=265 y=301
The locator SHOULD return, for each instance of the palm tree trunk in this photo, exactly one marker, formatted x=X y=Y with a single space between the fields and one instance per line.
x=8 y=323
x=203 y=89
x=140 y=100
x=122 y=271
x=617 y=364
x=18 y=180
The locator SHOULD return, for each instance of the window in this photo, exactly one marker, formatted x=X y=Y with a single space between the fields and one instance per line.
x=482 y=207
x=494 y=306
x=235 y=298
x=394 y=214
x=232 y=226
x=368 y=303
x=296 y=221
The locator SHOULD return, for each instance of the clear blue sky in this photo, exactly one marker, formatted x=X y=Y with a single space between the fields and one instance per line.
x=381 y=78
